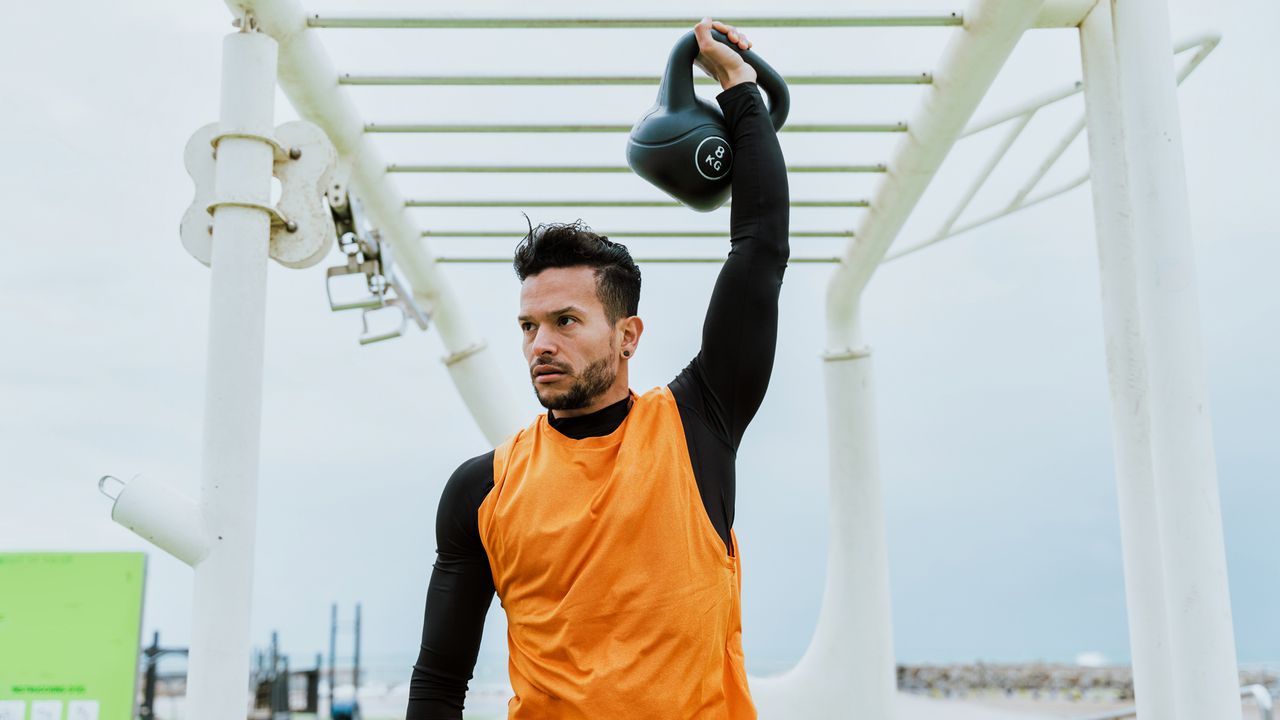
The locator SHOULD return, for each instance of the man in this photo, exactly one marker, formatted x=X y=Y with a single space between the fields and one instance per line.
x=605 y=527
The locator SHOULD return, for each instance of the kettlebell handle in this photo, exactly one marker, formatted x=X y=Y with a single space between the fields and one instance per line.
x=676 y=90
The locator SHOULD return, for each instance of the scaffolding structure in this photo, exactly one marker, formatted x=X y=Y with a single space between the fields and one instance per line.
x=1180 y=625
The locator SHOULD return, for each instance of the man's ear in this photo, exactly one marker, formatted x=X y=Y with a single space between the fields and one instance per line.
x=632 y=328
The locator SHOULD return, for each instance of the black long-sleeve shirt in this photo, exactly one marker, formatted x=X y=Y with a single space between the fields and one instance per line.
x=718 y=394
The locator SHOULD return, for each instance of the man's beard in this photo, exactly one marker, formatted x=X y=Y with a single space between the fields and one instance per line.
x=593 y=381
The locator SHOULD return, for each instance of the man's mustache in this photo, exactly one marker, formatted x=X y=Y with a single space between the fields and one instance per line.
x=548 y=362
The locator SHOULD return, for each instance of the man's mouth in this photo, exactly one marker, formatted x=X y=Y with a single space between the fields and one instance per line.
x=547 y=373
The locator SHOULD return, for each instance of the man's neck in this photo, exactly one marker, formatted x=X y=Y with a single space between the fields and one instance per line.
x=601 y=422
x=602 y=401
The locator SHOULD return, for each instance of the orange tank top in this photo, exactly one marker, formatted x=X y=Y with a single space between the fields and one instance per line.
x=620 y=599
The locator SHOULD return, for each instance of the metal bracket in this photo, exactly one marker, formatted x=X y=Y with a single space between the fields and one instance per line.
x=301 y=225
x=364 y=257
x=368 y=255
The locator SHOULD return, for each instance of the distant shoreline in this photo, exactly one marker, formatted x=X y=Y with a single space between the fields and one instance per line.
x=1111 y=683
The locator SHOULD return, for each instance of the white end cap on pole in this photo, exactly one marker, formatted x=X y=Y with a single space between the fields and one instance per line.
x=156 y=512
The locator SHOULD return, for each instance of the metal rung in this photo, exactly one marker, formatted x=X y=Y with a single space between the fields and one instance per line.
x=507 y=260
x=393 y=168
x=604 y=203
x=542 y=23
x=647 y=80
x=634 y=233
x=472 y=128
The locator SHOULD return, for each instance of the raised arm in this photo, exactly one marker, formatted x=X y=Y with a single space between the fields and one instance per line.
x=740 y=331
x=458 y=598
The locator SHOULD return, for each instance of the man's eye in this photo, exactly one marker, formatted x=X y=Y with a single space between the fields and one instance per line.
x=566 y=319
x=526 y=326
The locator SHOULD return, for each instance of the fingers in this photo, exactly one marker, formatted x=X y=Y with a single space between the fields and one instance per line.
x=703 y=31
x=734 y=36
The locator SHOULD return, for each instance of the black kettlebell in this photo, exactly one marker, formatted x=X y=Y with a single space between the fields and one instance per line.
x=681 y=145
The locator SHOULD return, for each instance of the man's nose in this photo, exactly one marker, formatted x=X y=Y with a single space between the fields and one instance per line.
x=543 y=342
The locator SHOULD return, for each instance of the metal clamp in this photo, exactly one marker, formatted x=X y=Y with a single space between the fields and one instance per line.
x=847 y=354
x=280 y=152
x=454 y=358
x=277 y=218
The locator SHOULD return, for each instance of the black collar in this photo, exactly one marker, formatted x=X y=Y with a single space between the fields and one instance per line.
x=601 y=422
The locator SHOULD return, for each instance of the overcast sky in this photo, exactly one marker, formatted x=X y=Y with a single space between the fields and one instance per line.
x=992 y=402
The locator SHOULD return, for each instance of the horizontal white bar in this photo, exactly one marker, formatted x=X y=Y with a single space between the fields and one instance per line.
x=633 y=233
x=1054 y=14
x=394 y=168
x=892 y=127
x=529 y=23
x=647 y=80
x=603 y=203
x=684 y=260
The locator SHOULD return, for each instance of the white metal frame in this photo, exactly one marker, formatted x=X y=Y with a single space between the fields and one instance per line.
x=1019 y=118
x=307 y=78
x=1180 y=622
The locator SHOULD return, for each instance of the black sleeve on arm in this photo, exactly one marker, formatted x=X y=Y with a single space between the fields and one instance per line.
x=740 y=332
x=458 y=598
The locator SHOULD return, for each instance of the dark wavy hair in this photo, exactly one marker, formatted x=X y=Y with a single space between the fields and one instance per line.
x=557 y=245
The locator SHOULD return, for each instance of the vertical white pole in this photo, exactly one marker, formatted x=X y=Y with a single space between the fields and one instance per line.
x=1205 y=673
x=1126 y=371
x=855 y=601
x=849 y=668
x=219 y=665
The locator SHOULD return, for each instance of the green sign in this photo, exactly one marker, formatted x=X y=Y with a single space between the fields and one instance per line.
x=69 y=635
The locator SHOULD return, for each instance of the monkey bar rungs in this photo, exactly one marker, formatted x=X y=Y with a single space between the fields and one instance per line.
x=1019 y=118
